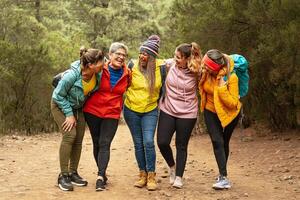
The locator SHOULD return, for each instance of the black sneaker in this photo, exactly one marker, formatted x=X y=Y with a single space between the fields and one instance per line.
x=100 y=184
x=77 y=180
x=64 y=182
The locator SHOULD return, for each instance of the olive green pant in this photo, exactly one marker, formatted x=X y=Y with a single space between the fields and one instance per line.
x=71 y=143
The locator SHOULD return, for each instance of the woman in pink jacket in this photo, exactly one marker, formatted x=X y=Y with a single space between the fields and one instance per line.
x=179 y=108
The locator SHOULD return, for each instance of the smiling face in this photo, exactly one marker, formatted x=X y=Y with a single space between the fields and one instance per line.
x=117 y=58
x=180 y=60
x=143 y=59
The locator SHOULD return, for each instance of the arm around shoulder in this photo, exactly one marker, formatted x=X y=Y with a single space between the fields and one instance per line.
x=229 y=93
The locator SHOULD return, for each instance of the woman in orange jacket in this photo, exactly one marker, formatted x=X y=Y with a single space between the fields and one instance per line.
x=221 y=106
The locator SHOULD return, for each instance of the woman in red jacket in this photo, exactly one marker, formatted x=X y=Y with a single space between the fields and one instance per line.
x=102 y=110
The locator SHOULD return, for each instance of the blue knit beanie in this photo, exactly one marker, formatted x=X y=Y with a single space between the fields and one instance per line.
x=151 y=45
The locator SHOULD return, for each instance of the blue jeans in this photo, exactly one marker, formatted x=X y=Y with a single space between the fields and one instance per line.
x=142 y=127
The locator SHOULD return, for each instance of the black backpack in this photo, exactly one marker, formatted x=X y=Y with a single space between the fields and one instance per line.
x=58 y=77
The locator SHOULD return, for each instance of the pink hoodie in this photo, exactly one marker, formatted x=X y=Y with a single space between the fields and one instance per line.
x=181 y=93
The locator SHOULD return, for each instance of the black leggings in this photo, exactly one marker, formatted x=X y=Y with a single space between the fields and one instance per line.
x=220 y=138
x=167 y=125
x=102 y=132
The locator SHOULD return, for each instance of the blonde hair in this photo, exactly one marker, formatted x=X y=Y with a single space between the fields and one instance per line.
x=149 y=73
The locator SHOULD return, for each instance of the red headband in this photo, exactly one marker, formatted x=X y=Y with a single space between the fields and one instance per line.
x=211 y=64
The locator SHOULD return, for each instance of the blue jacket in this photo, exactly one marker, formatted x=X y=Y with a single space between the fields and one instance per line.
x=68 y=94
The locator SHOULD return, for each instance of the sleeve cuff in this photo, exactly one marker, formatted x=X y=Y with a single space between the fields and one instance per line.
x=69 y=114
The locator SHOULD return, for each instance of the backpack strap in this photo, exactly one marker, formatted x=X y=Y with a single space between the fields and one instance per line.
x=130 y=65
x=163 y=74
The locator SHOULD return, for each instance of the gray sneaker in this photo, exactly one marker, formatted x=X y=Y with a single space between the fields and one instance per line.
x=64 y=182
x=222 y=183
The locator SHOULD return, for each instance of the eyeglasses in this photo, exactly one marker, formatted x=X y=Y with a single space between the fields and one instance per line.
x=118 y=54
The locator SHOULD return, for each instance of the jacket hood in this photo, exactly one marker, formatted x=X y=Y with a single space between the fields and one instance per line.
x=75 y=66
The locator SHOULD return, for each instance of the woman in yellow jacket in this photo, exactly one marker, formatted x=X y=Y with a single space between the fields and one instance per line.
x=140 y=109
x=221 y=106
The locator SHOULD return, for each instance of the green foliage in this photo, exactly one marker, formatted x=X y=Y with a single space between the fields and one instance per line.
x=42 y=37
x=266 y=32
x=30 y=54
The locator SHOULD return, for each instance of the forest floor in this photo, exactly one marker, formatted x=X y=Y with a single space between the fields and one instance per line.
x=262 y=166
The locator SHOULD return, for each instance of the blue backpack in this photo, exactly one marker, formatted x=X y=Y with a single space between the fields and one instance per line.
x=241 y=70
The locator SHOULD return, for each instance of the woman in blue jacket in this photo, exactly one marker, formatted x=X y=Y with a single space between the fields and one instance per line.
x=66 y=106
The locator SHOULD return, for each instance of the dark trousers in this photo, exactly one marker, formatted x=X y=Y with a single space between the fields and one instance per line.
x=167 y=125
x=71 y=143
x=102 y=132
x=220 y=138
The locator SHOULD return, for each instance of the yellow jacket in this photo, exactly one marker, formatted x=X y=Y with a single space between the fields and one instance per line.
x=137 y=96
x=226 y=98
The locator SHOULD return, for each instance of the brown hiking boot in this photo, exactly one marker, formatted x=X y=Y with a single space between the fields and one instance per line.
x=142 y=181
x=151 y=182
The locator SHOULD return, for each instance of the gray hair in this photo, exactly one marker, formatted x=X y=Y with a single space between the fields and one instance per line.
x=117 y=45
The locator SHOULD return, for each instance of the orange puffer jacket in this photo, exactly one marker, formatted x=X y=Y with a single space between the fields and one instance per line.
x=226 y=98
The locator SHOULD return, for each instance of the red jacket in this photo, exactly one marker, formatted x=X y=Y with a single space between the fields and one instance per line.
x=107 y=102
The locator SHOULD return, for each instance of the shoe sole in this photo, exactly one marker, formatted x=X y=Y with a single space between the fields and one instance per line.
x=64 y=189
x=151 y=189
x=139 y=186
x=100 y=189
x=177 y=186
x=221 y=188
x=78 y=184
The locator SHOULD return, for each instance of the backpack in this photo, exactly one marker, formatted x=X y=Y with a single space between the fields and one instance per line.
x=57 y=78
x=241 y=70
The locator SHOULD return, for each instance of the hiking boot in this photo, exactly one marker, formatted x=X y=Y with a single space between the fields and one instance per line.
x=100 y=184
x=142 y=181
x=151 y=182
x=172 y=175
x=178 y=182
x=64 y=182
x=77 y=180
x=222 y=183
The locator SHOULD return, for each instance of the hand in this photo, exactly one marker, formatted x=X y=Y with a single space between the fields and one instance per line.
x=169 y=62
x=222 y=82
x=69 y=123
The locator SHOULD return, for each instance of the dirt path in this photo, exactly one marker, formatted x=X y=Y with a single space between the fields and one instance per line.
x=260 y=168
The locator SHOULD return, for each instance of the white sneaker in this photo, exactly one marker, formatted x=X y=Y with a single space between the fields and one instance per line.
x=222 y=183
x=172 y=175
x=178 y=182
